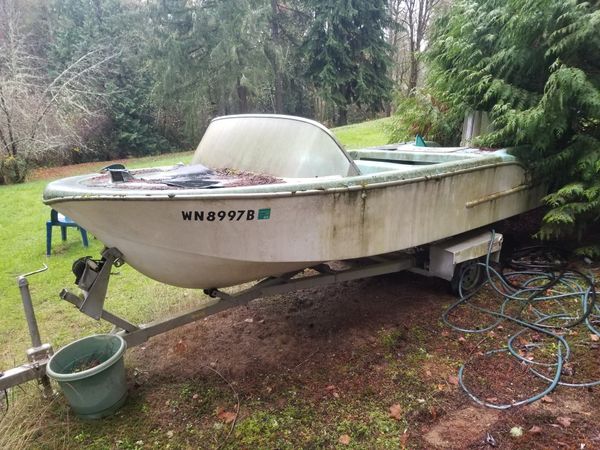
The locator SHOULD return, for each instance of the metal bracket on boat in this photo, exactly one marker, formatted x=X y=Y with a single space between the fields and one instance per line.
x=92 y=278
x=118 y=173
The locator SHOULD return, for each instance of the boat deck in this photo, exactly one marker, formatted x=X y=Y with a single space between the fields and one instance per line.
x=388 y=161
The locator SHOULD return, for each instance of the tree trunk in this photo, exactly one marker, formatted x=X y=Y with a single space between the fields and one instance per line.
x=278 y=92
x=12 y=148
x=273 y=59
x=3 y=142
x=342 y=115
x=414 y=74
x=242 y=92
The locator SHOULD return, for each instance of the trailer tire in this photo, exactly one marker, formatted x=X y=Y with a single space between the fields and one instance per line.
x=474 y=275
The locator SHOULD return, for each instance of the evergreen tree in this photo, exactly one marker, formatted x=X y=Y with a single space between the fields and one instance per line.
x=222 y=57
x=288 y=22
x=535 y=66
x=208 y=59
x=347 y=55
x=109 y=26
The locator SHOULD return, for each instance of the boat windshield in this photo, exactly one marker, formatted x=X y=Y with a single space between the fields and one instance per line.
x=280 y=146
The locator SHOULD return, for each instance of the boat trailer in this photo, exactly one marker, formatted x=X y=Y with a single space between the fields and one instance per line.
x=449 y=259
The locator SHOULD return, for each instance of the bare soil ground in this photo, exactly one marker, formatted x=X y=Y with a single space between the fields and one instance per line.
x=374 y=346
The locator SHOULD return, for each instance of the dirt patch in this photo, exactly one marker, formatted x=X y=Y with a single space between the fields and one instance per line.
x=468 y=424
x=280 y=334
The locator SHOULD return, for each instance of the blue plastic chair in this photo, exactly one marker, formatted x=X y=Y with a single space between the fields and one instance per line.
x=58 y=220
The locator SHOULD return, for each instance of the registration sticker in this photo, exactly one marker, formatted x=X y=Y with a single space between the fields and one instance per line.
x=264 y=214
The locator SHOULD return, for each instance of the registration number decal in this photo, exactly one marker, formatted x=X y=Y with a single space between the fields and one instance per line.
x=232 y=215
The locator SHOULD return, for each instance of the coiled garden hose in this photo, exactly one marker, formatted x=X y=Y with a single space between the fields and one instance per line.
x=531 y=286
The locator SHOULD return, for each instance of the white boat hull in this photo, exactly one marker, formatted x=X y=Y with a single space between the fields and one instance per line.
x=173 y=239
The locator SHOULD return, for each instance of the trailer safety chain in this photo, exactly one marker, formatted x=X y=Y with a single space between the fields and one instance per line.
x=551 y=299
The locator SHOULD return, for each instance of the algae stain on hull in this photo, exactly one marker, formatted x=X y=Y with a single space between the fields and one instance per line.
x=350 y=224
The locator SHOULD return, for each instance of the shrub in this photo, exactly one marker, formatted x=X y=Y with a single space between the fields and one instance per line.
x=533 y=65
x=422 y=114
x=13 y=169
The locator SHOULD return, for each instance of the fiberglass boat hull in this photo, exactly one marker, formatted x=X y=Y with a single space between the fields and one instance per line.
x=213 y=239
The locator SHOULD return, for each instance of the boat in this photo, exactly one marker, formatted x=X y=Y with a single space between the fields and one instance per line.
x=266 y=195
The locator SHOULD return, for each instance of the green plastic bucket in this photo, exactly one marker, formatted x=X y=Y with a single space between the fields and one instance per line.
x=91 y=374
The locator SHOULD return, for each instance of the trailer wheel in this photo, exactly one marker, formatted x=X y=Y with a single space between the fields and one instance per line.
x=212 y=292
x=472 y=274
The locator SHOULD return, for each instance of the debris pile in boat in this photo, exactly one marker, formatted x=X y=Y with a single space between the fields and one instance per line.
x=194 y=176
x=242 y=178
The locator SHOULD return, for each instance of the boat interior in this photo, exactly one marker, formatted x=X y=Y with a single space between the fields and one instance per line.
x=260 y=149
x=405 y=157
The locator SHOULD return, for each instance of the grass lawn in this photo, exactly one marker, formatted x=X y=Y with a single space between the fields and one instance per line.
x=364 y=134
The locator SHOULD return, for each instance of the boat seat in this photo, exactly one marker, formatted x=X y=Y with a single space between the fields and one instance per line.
x=366 y=166
x=59 y=220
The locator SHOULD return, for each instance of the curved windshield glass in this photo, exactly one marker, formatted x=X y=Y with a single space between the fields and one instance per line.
x=281 y=146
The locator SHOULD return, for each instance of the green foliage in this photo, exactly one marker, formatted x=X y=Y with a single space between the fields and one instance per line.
x=80 y=27
x=204 y=58
x=534 y=65
x=177 y=45
x=151 y=75
x=216 y=58
x=347 y=56
x=134 y=132
x=421 y=114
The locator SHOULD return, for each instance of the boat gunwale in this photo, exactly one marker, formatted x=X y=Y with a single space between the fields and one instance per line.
x=286 y=190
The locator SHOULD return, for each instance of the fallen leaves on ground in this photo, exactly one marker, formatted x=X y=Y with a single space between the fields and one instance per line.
x=227 y=416
x=333 y=390
x=344 y=439
x=404 y=438
x=396 y=411
x=180 y=347
x=564 y=421
x=433 y=412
